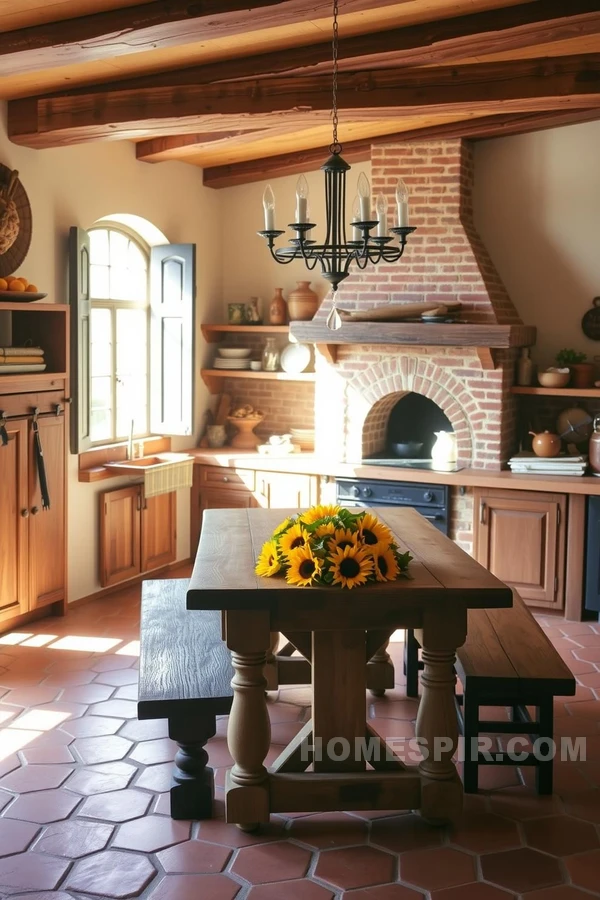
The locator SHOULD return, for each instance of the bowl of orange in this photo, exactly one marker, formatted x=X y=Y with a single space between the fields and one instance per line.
x=19 y=288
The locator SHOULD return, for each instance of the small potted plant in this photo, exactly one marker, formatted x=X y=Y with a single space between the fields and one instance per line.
x=582 y=372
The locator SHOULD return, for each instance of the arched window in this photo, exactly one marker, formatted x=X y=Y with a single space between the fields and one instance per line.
x=119 y=335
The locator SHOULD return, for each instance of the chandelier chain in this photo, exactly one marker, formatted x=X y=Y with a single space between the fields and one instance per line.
x=336 y=146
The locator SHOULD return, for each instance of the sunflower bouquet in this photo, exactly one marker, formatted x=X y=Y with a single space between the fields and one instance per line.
x=331 y=545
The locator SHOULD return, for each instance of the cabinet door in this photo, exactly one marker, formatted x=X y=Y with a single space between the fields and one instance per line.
x=216 y=487
x=159 y=531
x=520 y=538
x=282 y=490
x=224 y=499
x=13 y=521
x=120 y=540
x=47 y=543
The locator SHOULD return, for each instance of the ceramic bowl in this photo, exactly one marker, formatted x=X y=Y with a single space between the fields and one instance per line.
x=554 y=378
x=235 y=352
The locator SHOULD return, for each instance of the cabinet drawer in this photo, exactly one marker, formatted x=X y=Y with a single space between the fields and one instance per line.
x=227 y=479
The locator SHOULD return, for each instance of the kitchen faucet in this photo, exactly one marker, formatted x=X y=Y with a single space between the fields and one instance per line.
x=130 y=442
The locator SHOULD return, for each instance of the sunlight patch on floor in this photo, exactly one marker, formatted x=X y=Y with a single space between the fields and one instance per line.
x=130 y=649
x=13 y=739
x=39 y=640
x=41 y=719
x=15 y=637
x=86 y=644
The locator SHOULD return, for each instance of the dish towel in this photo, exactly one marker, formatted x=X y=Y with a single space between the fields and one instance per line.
x=41 y=468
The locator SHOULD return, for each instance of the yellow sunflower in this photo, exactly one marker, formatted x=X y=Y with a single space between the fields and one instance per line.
x=342 y=538
x=386 y=566
x=294 y=537
x=351 y=566
x=319 y=512
x=282 y=526
x=372 y=531
x=303 y=567
x=325 y=529
x=268 y=563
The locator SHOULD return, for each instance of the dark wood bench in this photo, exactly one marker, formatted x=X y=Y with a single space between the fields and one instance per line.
x=506 y=661
x=185 y=677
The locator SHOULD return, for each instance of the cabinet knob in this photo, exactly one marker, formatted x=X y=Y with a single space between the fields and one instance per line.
x=35 y=510
x=25 y=513
x=225 y=478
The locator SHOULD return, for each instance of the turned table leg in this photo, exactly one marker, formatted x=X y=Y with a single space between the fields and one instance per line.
x=249 y=729
x=192 y=790
x=437 y=726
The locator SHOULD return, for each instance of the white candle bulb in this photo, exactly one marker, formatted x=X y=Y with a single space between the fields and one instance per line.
x=356 y=235
x=402 y=204
x=381 y=207
x=364 y=193
x=269 y=208
x=302 y=199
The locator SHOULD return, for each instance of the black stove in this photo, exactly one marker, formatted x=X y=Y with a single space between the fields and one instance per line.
x=431 y=500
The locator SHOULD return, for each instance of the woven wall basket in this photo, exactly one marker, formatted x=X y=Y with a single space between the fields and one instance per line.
x=16 y=253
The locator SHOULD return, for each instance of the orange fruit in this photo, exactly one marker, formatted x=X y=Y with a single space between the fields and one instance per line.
x=24 y=280
x=3 y=284
x=16 y=285
x=31 y=289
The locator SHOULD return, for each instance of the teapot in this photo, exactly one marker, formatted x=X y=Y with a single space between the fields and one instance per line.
x=545 y=443
x=444 y=451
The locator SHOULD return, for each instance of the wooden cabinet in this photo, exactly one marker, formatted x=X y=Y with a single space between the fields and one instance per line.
x=14 y=530
x=282 y=490
x=520 y=538
x=47 y=532
x=137 y=534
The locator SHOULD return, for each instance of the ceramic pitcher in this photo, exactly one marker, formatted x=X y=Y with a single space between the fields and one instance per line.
x=443 y=451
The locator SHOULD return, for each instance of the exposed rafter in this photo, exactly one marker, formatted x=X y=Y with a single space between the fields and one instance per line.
x=517 y=86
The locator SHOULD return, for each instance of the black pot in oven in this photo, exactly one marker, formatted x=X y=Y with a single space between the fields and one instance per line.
x=407 y=450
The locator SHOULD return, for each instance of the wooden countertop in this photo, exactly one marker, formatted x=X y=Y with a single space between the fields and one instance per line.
x=310 y=464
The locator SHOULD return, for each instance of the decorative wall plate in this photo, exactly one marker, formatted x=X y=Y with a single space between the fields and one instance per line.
x=295 y=358
x=590 y=324
x=14 y=256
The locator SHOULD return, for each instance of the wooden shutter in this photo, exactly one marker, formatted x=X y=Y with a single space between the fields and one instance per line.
x=172 y=290
x=79 y=298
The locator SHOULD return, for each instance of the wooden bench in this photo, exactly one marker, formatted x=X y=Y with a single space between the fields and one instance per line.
x=185 y=677
x=508 y=661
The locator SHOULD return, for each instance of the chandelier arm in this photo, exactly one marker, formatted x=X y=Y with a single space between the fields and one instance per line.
x=284 y=260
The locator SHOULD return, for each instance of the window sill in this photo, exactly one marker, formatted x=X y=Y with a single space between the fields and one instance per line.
x=91 y=462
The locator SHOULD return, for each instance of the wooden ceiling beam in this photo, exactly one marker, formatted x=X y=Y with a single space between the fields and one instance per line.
x=178 y=147
x=358 y=151
x=516 y=86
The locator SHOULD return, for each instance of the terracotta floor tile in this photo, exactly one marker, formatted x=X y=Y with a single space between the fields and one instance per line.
x=46 y=895
x=127 y=692
x=87 y=693
x=325 y=830
x=151 y=833
x=291 y=890
x=118 y=677
x=218 y=832
x=563 y=892
x=156 y=778
x=116 y=806
x=387 y=708
x=584 y=805
x=43 y=806
x=475 y=891
x=104 y=748
x=435 y=869
x=521 y=870
x=112 y=776
x=195 y=887
x=385 y=892
x=109 y=664
x=407 y=832
x=5 y=799
x=561 y=835
x=147 y=730
x=15 y=837
x=356 y=867
x=194 y=857
x=485 y=832
x=92 y=726
x=36 y=755
x=277 y=861
x=74 y=839
x=31 y=696
x=32 y=872
x=584 y=869
x=35 y=778
x=111 y=873
x=520 y=803
x=63 y=678
x=120 y=709
x=158 y=751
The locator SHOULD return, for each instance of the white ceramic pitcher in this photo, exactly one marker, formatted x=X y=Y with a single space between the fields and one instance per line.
x=443 y=452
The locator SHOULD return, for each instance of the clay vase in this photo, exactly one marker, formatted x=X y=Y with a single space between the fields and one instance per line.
x=278 y=309
x=245 y=439
x=302 y=302
x=545 y=444
x=582 y=375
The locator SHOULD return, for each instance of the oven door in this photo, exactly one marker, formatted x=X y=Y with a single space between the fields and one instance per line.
x=437 y=517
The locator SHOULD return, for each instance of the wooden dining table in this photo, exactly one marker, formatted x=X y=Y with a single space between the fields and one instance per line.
x=339 y=630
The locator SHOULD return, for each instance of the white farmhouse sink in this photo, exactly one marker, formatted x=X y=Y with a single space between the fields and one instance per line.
x=163 y=472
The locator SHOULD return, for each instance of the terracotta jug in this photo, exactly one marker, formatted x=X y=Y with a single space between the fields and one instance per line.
x=594 y=448
x=545 y=444
x=278 y=309
x=302 y=302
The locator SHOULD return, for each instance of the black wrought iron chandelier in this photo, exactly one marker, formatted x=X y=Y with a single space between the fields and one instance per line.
x=336 y=254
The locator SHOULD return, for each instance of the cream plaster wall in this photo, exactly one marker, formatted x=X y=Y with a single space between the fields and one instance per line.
x=76 y=186
x=537 y=208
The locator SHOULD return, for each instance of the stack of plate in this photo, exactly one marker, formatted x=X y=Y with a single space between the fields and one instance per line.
x=303 y=438
x=233 y=358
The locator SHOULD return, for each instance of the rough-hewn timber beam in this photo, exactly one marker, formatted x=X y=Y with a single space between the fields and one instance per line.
x=516 y=86
x=357 y=151
x=180 y=146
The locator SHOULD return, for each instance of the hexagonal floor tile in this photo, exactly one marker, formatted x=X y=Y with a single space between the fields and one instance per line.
x=436 y=869
x=15 y=837
x=43 y=806
x=111 y=873
x=584 y=805
x=277 y=861
x=291 y=890
x=475 y=891
x=111 y=776
x=92 y=726
x=46 y=895
x=561 y=835
x=120 y=709
x=156 y=778
x=31 y=696
x=325 y=830
x=35 y=778
x=584 y=869
x=117 y=677
x=385 y=892
x=192 y=887
x=116 y=806
x=521 y=870
x=31 y=872
x=37 y=755
x=87 y=693
x=407 y=832
x=74 y=839
x=105 y=748
x=562 y=892
x=218 y=832
x=194 y=857
x=151 y=833
x=150 y=752
x=485 y=832
x=147 y=730
x=355 y=867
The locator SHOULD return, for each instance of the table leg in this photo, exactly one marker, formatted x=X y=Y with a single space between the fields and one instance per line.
x=437 y=726
x=249 y=729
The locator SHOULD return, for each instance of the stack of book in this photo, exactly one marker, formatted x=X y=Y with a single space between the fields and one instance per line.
x=527 y=463
x=14 y=360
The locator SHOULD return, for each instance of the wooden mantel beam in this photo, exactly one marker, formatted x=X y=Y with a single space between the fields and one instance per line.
x=358 y=151
x=516 y=86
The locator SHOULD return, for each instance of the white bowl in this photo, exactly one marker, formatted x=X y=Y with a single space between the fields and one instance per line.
x=554 y=378
x=235 y=352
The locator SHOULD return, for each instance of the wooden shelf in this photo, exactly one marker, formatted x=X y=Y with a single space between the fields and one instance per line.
x=557 y=392
x=212 y=377
x=213 y=333
x=459 y=334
